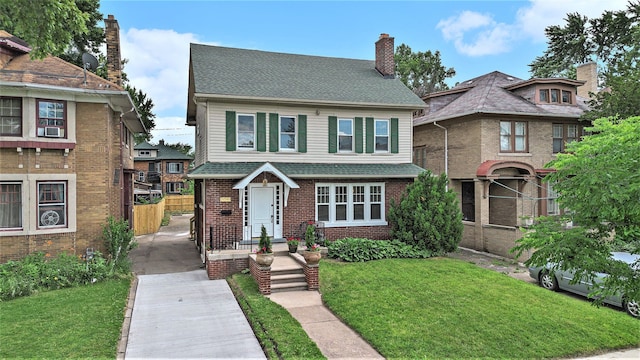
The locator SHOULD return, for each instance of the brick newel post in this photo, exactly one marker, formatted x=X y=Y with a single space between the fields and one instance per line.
x=311 y=273
x=262 y=275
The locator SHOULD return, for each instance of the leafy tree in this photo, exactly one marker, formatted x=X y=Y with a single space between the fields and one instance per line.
x=603 y=40
x=145 y=109
x=48 y=26
x=613 y=42
x=428 y=215
x=90 y=41
x=598 y=179
x=422 y=72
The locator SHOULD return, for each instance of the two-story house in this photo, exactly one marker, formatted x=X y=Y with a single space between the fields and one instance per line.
x=492 y=136
x=282 y=139
x=163 y=167
x=66 y=151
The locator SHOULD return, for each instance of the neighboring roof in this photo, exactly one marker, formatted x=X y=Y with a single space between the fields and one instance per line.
x=164 y=153
x=237 y=170
x=55 y=74
x=269 y=76
x=490 y=94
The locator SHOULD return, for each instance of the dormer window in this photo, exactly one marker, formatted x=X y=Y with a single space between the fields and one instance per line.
x=555 y=96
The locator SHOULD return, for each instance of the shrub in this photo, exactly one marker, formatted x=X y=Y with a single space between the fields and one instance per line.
x=265 y=242
x=119 y=241
x=358 y=249
x=36 y=273
x=428 y=215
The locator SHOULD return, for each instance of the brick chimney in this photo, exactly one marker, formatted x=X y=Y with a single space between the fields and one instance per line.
x=385 y=64
x=587 y=72
x=114 y=61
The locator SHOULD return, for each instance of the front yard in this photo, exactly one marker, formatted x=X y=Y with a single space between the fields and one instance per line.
x=447 y=308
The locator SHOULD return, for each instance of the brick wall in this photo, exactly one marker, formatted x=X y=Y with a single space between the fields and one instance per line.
x=222 y=268
x=262 y=276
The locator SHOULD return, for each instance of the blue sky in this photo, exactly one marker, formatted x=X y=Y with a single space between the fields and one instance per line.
x=473 y=37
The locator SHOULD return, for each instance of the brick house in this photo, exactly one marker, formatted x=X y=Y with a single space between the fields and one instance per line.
x=161 y=166
x=492 y=136
x=66 y=144
x=282 y=139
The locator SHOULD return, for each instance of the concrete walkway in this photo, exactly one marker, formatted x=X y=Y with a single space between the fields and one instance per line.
x=174 y=311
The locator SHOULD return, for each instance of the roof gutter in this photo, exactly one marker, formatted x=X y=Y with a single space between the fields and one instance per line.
x=446 y=152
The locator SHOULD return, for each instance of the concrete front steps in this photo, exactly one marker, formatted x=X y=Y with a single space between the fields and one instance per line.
x=286 y=274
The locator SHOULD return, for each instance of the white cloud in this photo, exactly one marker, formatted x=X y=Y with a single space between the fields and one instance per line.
x=533 y=19
x=476 y=34
x=488 y=37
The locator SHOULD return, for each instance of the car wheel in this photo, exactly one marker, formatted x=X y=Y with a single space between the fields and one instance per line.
x=548 y=281
x=632 y=308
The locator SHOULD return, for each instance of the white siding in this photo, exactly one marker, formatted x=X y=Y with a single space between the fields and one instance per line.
x=317 y=135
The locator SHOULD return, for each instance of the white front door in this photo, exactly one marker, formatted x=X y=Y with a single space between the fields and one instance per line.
x=262 y=210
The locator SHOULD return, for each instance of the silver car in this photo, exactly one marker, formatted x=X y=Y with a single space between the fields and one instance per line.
x=561 y=279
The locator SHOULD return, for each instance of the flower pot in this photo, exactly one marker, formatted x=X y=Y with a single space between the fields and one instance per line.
x=264 y=259
x=312 y=257
x=293 y=248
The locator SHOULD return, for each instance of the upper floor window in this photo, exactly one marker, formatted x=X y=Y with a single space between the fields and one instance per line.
x=144 y=153
x=52 y=204
x=513 y=136
x=287 y=132
x=10 y=205
x=141 y=176
x=174 y=187
x=175 y=168
x=420 y=156
x=564 y=134
x=10 y=116
x=52 y=118
x=555 y=96
x=345 y=135
x=382 y=135
x=246 y=131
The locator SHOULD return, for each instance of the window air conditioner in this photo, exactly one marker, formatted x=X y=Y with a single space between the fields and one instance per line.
x=52 y=132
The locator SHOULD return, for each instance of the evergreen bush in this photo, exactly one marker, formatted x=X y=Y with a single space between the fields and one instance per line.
x=428 y=215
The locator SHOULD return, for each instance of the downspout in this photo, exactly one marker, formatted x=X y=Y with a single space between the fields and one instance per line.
x=446 y=151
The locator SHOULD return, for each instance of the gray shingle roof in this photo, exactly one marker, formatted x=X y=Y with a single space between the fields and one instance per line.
x=314 y=170
x=488 y=94
x=269 y=75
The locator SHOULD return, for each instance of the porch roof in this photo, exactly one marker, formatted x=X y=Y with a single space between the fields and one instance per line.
x=237 y=170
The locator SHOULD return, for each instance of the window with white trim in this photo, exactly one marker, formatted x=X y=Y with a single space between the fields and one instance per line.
x=246 y=131
x=52 y=204
x=10 y=205
x=141 y=176
x=52 y=116
x=175 y=168
x=10 y=116
x=552 y=201
x=356 y=204
x=382 y=135
x=174 y=187
x=345 y=135
x=288 y=133
x=144 y=153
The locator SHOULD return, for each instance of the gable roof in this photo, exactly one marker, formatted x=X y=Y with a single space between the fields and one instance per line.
x=222 y=72
x=164 y=153
x=491 y=94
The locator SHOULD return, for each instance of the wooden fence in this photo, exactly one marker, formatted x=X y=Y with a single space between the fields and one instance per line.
x=148 y=218
x=179 y=203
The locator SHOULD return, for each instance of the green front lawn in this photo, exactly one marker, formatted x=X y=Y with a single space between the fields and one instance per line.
x=78 y=322
x=446 y=308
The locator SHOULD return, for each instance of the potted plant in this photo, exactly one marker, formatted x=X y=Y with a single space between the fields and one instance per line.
x=312 y=253
x=293 y=243
x=264 y=254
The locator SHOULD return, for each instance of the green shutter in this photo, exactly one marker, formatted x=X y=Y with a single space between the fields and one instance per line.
x=273 y=133
x=261 y=125
x=231 y=130
x=370 y=135
x=333 y=134
x=394 y=135
x=358 y=134
x=302 y=133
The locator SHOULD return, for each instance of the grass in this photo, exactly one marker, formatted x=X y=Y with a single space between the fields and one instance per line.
x=280 y=335
x=447 y=308
x=79 y=322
